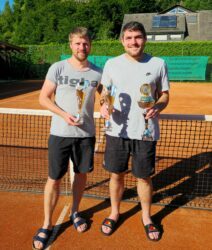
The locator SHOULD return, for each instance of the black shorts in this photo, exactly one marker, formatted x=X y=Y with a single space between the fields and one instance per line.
x=79 y=150
x=119 y=150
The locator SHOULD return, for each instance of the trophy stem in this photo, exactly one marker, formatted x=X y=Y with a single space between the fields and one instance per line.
x=109 y=97
x=147 y=134
x=146 y=121
x=80 y=101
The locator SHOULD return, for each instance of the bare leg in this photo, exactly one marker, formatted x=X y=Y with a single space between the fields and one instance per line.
x=51 y=195
x=116 y=193
x=78 y=189
x=144 y=189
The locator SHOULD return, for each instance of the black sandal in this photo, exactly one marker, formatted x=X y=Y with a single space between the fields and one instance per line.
x=43 y=240
x=80 y=222
x=151 y=228
x=109 y=223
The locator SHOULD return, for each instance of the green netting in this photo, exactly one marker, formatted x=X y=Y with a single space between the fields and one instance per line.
x=179 y=67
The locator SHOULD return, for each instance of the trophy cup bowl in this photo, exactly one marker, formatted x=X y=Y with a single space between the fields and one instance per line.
x=145 y=105
x=146 y=101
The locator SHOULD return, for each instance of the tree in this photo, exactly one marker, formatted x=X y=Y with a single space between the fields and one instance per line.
x=6 y=23
x=198 y=4
x=50 y=21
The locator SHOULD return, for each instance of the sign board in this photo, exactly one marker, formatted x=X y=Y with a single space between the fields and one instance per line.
x=186 y=67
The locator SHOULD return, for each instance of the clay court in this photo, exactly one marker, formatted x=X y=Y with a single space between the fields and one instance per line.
x=185 y=98
x=21 y=214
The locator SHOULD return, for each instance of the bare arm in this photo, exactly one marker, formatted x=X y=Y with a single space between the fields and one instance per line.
x=45 y=100
x=160 y=105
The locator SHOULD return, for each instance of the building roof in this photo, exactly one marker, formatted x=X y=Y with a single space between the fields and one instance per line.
x=177 y=6
x=10 y=47
x=146 y=19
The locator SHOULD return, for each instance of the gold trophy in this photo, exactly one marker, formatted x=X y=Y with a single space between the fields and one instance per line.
x=80 y=93
x=146 y=101
x=109 y=98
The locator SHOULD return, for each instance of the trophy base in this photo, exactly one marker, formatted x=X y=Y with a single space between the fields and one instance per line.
x=107 y=126
x=147 y=136
x=106 y=129
x=79 y=119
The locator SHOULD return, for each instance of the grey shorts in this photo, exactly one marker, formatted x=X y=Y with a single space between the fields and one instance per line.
x=118 y=151
x=79 y=150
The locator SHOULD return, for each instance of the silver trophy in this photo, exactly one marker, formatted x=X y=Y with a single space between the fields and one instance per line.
x=109 y=98
x=80 y=93
x=146 y=101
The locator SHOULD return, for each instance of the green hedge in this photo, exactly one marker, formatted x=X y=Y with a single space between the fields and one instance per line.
x=40 y=57
x=113 y=48
x=51 y=53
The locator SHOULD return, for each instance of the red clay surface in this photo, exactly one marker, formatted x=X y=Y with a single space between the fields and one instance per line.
x=185 y=98
x=21 y=214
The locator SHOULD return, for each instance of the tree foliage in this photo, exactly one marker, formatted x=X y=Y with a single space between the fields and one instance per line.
x=50 y=21
x=198 y=4
x=6 y=23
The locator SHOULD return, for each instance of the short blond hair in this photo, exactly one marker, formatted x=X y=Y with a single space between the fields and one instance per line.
x=81 y=32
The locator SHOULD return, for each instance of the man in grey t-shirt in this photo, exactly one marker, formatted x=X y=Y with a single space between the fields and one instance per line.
x=141 y=93
x=73 y=83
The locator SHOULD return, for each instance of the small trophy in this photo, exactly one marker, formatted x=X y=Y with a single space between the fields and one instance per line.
x=146 y=101
x=109 y=97
x=80 y=93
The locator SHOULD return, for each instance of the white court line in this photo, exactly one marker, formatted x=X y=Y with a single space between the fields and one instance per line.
x=58 y=225
x=72 y=174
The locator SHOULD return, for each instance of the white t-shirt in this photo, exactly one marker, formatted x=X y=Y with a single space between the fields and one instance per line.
x=128 y=76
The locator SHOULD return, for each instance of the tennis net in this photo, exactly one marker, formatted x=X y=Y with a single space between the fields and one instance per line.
x=183 y=164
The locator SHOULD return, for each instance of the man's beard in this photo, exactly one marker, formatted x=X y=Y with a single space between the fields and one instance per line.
x=81 y=58
x=135 y=55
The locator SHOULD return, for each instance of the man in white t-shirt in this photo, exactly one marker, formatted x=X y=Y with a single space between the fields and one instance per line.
x=128 y=74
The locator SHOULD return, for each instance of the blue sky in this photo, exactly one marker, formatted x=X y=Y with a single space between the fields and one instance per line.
x=2 y=3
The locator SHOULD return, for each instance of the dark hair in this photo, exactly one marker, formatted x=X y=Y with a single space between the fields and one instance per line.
x=80 y=31
x=134 y=26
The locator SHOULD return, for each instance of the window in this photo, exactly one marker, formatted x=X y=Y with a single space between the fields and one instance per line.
x=164 y=22
x=191 y=19
x=176 y=37
x=149 y=37
x=161 y=38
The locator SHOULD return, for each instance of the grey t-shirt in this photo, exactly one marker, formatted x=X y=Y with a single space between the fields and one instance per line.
x=128 y=76
x=66 y=77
